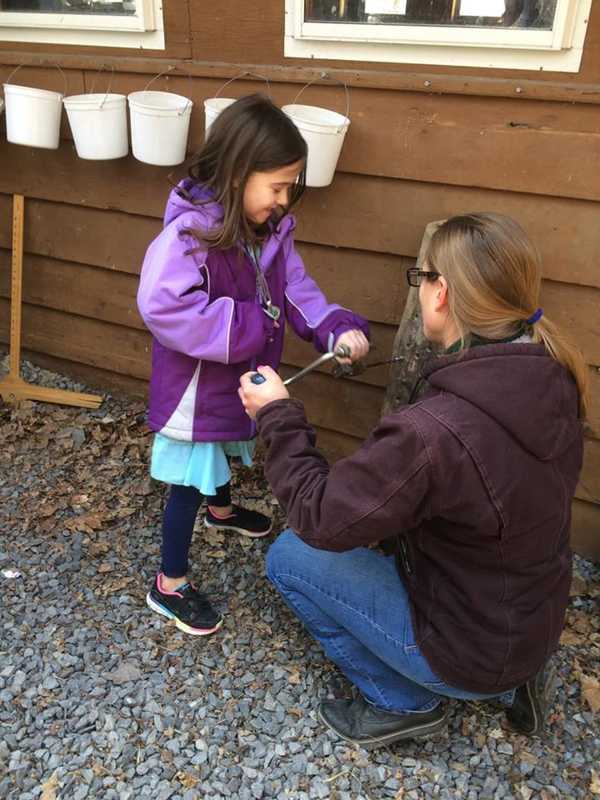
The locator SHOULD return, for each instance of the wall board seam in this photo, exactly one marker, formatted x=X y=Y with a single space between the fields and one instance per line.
x=422 y=82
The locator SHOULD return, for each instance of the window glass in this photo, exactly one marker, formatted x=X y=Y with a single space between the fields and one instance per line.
x=123 y=7
x=528 y=14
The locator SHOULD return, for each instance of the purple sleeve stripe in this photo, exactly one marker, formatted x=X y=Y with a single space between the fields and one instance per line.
x=328 y=309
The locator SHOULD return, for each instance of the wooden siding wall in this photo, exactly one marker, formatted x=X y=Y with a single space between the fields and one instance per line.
x=422 y=146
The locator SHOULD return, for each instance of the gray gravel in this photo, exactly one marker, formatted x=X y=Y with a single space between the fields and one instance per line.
x=101 y=698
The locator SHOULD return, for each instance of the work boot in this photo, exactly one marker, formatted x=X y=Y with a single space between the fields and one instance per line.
x=532 y=701
x=361 y=723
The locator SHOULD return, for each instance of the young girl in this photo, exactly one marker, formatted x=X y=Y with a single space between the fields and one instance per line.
x=474 y=481
x=216 y=288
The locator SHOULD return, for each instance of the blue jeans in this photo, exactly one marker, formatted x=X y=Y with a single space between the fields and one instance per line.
x=356 y=606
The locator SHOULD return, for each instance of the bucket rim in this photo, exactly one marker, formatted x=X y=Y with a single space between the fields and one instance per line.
x=220 y=102
x=41 y=94
x=294 y=110
x=93 y=98
x=135 y=99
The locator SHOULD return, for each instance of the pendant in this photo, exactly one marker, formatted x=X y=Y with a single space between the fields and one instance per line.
x=272 y=311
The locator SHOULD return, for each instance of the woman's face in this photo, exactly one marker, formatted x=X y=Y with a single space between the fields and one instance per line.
x=265 y=191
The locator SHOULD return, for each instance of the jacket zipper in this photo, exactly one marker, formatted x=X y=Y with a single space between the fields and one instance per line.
x=403 y=552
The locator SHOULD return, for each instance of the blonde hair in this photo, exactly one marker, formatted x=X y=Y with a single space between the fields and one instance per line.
x=494 y=277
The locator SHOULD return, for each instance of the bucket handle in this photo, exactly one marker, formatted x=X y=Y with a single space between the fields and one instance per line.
x=166 y=71
x=244 y=74
x=18 y=67
x=325 y=77
x=96 y=74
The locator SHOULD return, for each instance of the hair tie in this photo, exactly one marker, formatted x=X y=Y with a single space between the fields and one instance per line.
x=534 y=317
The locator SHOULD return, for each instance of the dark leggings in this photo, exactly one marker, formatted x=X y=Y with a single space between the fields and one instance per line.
x=178 y=525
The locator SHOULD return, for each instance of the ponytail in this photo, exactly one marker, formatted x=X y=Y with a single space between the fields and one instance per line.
x=566 y=353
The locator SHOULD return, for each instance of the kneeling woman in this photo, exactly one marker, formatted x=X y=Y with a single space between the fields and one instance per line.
x=474 y=481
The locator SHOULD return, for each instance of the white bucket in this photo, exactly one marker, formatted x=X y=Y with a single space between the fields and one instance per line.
x=99 y=125
x=212 y=108
x=32 y=116
x=324 y=133
x=160 y=122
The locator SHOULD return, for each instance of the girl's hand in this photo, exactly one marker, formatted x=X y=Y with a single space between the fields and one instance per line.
x=255 y=396
x=358 y=344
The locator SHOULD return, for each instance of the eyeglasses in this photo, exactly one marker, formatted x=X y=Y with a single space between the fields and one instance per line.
x=414 y=276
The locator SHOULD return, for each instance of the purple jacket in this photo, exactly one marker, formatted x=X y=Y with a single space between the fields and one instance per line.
x=208 y=326
x=475 y=482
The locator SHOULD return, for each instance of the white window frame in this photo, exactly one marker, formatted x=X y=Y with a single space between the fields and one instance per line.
x=144 y=29
x=559 y=49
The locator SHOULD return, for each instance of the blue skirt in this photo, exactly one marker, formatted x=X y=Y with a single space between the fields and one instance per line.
x=200 y=464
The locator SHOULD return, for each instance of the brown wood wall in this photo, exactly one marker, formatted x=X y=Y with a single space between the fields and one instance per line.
x=424 y=143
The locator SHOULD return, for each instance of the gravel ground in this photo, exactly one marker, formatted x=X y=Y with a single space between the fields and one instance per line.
x=101 y=698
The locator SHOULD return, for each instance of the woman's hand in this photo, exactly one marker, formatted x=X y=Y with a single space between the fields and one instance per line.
x=357 y=342
x=254 y=396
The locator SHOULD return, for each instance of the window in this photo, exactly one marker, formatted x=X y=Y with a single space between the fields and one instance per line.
x=113 y=23
x=517 y=34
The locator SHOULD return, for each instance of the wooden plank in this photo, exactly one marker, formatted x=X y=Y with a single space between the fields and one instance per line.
x=254 y=29
x=589 y=484
x=594 y=409
x=109 y=239
x=347 y=407
x=390 y=216
x=86 y=291
x=110 y=297
x=372 y=284
x=350 y=408
x=118 y=241
x=585 y=529
x=95 y=378
x=385 y=216
x=531 y=146
x=123 y=184
x=88 y=341
x=582 y=88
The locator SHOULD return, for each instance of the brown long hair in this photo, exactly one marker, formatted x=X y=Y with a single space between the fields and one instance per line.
x=494 y=277
x=250 y=135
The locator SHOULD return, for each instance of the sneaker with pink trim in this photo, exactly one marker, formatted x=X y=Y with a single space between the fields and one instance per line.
x=243 y=520
x=189 y=608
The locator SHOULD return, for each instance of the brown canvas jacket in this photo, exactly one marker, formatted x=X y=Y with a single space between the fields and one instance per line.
x=475 y=482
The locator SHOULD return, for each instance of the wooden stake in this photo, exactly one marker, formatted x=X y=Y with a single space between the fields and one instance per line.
x=13 y=389
x=411 y=348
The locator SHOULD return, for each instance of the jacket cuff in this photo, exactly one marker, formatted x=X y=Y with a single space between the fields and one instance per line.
x=337 y=323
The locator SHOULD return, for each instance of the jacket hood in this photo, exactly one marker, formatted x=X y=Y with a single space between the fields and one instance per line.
x=189 y=196
x=535 y=399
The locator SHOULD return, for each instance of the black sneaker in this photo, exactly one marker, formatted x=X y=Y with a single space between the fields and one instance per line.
x=242 y=520
x=361 y=723
x=532 y=701
x=189 y=608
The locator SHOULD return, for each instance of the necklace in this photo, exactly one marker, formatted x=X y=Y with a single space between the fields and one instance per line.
x=262 y=288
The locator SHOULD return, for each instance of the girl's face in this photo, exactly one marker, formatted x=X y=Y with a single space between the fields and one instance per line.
x=265 y=191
